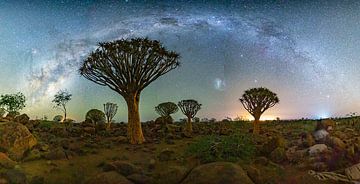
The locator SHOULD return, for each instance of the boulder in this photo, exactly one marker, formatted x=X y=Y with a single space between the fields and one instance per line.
x=108 y=178
x=172 y=174
x=218 y=173
x=353 y=172
x=320 y=135
x=23 y=119
x=6 y=162
x=317 y=148
x=15 y=139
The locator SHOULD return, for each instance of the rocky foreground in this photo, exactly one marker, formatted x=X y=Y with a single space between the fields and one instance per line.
x=34 y=151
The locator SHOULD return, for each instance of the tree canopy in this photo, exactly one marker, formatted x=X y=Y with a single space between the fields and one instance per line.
x=166 y=109
x=13 y=103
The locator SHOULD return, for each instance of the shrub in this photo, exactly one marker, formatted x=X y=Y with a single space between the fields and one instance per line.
x=222 y=148
x=96 y=116
x=58 y=118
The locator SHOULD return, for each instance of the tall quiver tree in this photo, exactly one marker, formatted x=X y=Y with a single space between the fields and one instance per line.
x=166 y=109
x=110 y=110
x=127 y=67
x=256 y=101
x=61 y=98
x=189 y=108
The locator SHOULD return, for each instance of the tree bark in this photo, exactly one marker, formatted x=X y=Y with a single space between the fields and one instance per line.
x=108 y=125
x=134 y=132
x=64 y=113
x=189 y=125
x=256 y=124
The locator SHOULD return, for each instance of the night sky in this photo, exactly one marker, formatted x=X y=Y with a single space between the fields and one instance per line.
x=305 y=51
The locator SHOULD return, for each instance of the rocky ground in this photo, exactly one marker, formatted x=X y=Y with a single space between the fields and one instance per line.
x=304 y=151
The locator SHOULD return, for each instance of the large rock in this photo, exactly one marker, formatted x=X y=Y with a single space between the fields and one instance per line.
x=353 y=172
x=172 y=174
x=6 y=162
x=15 y=139
x=23 y=119
x=317 y=148
x=108 y=178
x=320 y=135
x=218 y=173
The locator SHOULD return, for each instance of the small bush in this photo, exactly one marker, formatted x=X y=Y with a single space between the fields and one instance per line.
x=222 y=148
x=58 y=118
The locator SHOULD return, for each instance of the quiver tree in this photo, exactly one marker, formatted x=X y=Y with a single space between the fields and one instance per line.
x=256 y=101
x=166 y=109
x=61 y=98
x=189 y=108
x=127 y=67
x=110 y=110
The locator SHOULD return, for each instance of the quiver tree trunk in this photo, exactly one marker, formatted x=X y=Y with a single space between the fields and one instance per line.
x=108 y=124
x=256 y=123
x=135 y=134
x=188 y=127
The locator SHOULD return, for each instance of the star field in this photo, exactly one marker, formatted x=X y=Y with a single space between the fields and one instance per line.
x=305 y=51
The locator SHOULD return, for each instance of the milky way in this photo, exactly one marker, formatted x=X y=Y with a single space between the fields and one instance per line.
x=306 y=52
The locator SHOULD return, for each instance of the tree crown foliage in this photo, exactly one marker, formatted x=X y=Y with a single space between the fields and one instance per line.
x=189 y=107
x=128 y=65
x=166 y=109
x=61 y=98
x=257 y=100
x=96 y=116
x=13 y=102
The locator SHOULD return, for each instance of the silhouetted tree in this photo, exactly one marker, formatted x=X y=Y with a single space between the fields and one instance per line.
x=127 y=67
x=110 y=110
x=61 y=98
x=256 y=101
x=189 y=108
x=13 y=103
x=166 y=109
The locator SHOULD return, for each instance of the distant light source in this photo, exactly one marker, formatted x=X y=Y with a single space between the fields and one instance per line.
x=323 y=115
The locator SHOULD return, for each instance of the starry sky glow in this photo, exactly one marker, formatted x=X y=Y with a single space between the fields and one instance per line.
x=305 y=51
